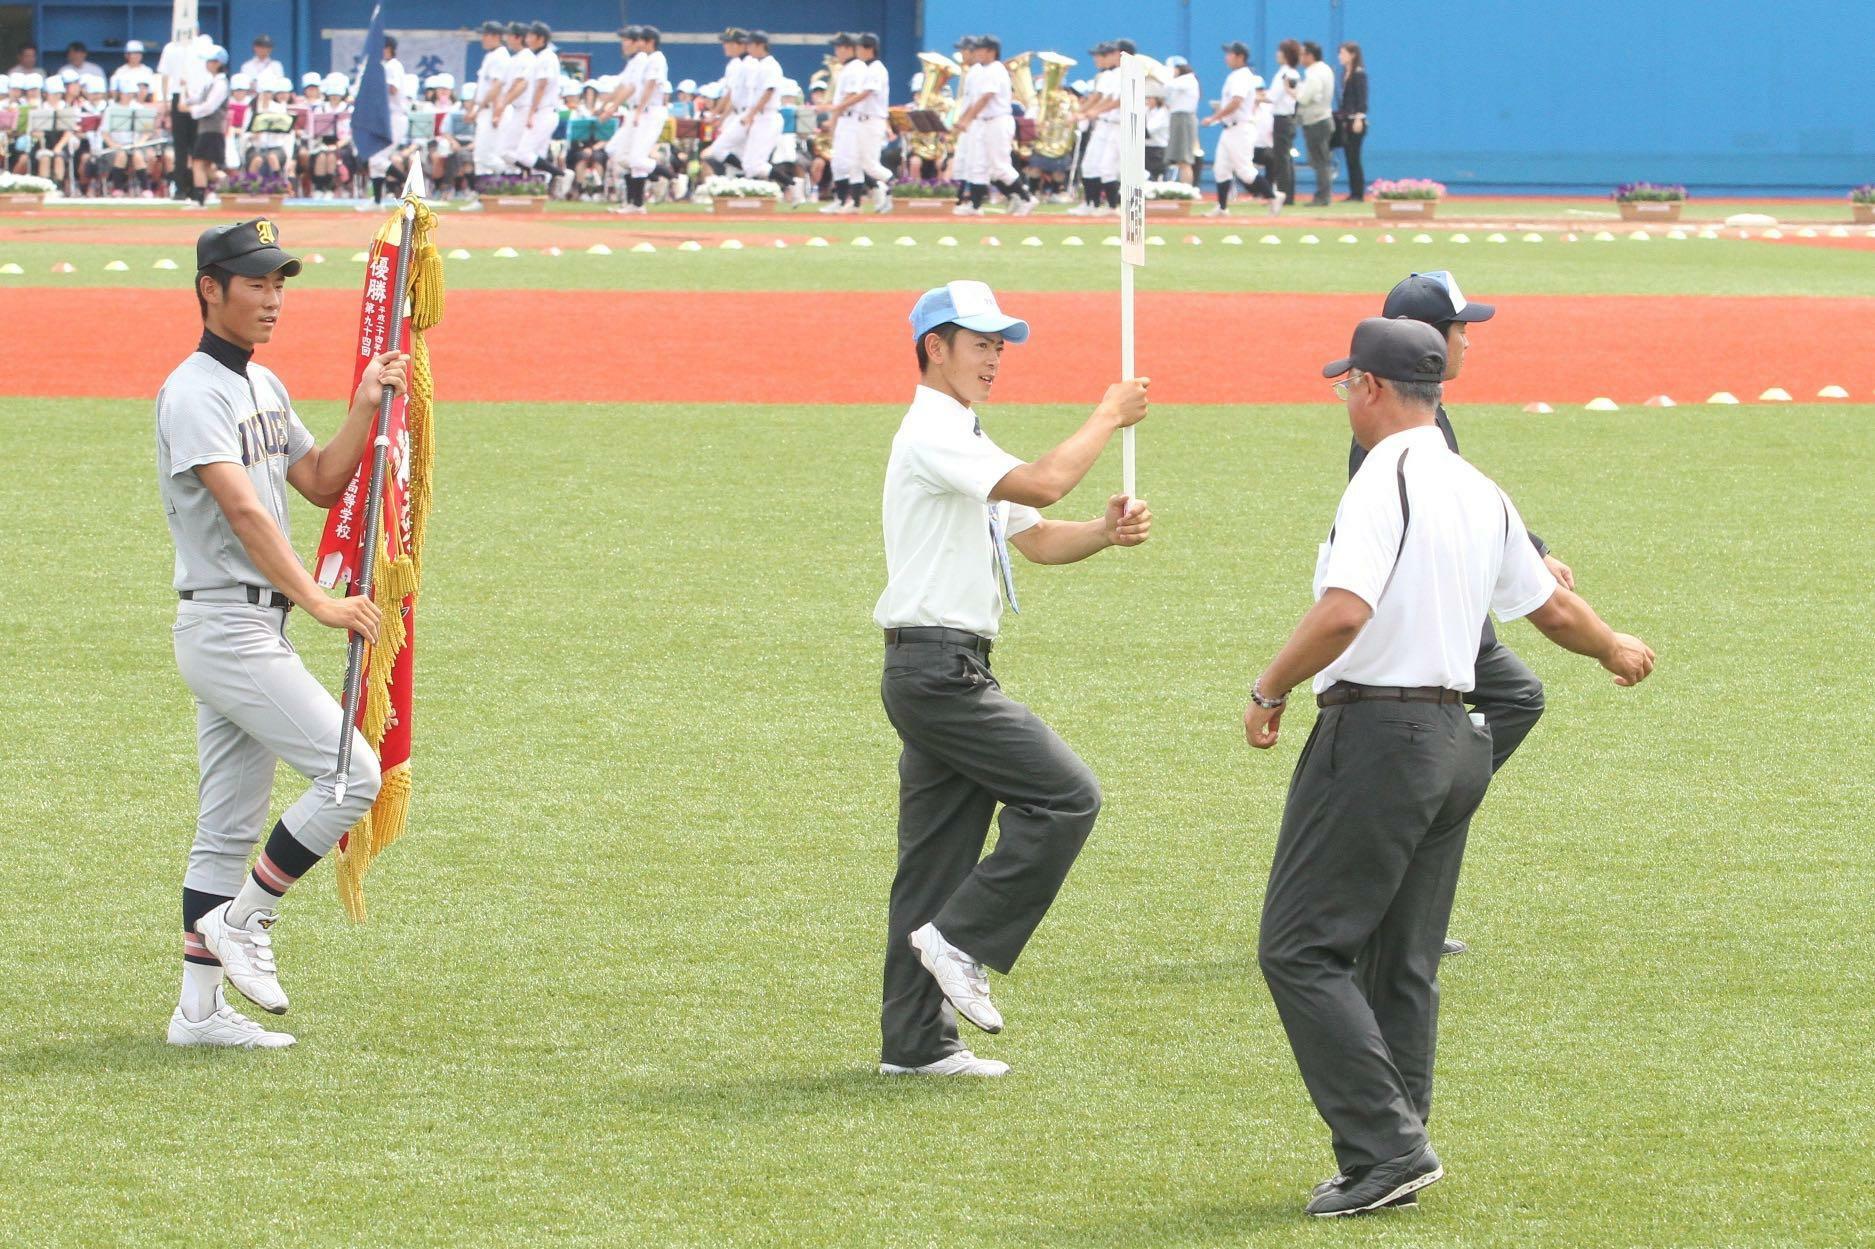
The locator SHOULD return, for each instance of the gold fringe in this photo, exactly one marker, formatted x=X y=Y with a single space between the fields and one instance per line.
x=389 y=815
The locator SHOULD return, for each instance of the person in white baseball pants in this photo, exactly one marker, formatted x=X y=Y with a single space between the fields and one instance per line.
x=732 y=126
x=762 y=116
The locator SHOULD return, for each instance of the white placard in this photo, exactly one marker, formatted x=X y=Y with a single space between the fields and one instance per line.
x=1132 y=159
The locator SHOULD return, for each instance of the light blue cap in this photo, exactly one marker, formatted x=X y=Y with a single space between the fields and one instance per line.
x=1176 y=62
x=217 y=53
x=971 y=305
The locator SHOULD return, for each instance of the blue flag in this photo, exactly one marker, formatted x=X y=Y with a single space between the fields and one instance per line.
x=371 y=107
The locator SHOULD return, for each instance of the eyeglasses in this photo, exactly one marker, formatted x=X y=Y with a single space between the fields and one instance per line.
x=1342 y=387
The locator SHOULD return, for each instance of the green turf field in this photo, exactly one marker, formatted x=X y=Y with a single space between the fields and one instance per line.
x=1657 y=266
x=620 y=982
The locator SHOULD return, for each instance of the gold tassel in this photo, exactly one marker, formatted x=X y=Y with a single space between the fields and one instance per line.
x=402 y=577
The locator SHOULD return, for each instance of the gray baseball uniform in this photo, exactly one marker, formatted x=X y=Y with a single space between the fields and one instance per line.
x=255 y=701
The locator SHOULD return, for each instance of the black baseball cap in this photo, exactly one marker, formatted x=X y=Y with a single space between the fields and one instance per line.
x=733 y=34
x=652 y=33
x=1398 y=350
x=759 y=36
x=516 y=28
x=263 y=41
x=1102 y=48
x=249 y=248
x=1238 y=46
x=631 y=32
x=494 y=28
x=845 y=40
x=540 y=28
x=990 y=41
x=1125 y=45
x=1435 y=299
x=965 y=43
x=869 y=40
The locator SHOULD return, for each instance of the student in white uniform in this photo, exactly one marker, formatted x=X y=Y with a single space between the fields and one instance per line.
x=761 y=115
x=133 y=72
x=954 y=503
x=843 y=92
x=379 y=165
x=1236 y=162
x=619 y=103
x=989 y=122
x=650 y=87
x=964 y=142
x=1100 y=168
x=731 y=127
x=513 y=103
x=491 y=84
x=859 y=126
x=1373 y=831
x=540 y=102
x=872 y=107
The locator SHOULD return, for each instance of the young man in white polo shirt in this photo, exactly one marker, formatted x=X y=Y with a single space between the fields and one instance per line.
x=1374 y=828
x=954 y=503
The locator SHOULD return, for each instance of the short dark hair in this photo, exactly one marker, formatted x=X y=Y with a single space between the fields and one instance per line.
x=390 y=43
x=222 y=278
x=77 y=45
x=947 y=331
x=1312 y=48
x=1290 y=51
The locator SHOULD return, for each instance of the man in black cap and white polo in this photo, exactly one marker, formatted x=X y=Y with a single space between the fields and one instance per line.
x=228 y=444
x=1506 y=692
x=1373 y=831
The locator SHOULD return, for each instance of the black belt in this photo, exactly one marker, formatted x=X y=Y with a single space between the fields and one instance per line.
x=934 y=633
x=255 y=595
x=1343 y=692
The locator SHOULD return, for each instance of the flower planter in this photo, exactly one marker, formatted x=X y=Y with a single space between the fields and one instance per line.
x=1413 y=209
x=514 y=203
x=1651 y=210
x=1169 y=207
x=16 y=202
x=262 y=203
x=723 y=205
x=1864 y=214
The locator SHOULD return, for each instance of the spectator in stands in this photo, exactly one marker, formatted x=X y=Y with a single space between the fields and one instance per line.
x=1315 y=109
x=1351 y=118
x=78 y=58
x=1283 y=85
x=28 y=62
x=262 y=65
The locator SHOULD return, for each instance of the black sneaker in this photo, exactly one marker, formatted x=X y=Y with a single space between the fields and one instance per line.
x=1376 y=1187
x=1409 y=1202
x=1454 y=946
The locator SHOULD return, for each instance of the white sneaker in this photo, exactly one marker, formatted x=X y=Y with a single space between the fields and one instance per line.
x=473 y=206
x=1022 y=208
x=961 y=978
x=227 y=1028
x=832 y=206
x=1215 y=211
x=1276 y=203
x=962 y=1063
x=246 y=956
x=1082 y=209
x=966 y=210
x=881 y=194
x=212 y=200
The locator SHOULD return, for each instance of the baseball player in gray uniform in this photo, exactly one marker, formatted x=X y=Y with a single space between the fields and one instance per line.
x=228 y=444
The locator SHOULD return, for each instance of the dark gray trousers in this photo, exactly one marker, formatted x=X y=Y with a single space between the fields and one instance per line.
x=1358 y=900
x=1282 y=158
x=1321 y=158
x=968 y=746
x=1509 y=695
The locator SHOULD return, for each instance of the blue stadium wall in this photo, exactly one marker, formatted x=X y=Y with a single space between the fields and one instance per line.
x=1480 y=94
x=1510 y=94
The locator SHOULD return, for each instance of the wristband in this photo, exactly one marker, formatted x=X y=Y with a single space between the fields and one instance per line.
x=1268 y=704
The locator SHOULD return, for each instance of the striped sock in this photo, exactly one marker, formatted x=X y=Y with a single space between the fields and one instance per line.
x=284 y=861
x=201 y=971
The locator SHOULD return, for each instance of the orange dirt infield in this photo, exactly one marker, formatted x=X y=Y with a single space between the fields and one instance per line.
x=844 y=347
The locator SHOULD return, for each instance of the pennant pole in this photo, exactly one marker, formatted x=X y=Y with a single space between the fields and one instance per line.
x=1133 y=71
x=374 y=497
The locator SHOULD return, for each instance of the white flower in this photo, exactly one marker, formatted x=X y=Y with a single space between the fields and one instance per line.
x=721 y=187
x=24 y=184
x=1171 y=190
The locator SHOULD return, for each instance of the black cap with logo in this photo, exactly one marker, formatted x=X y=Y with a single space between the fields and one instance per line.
x=249 y=248
x=1238 y=46
x=541 y=29
x=733 y=34
x=1125 y=45
x=1435 y=299
x=869 y=41
x=492 y=27
x=1398 y=350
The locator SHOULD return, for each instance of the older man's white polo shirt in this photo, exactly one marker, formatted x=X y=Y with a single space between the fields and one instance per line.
x=940 y=563
x=1465 y=552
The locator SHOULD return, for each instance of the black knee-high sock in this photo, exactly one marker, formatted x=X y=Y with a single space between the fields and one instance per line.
x=1090 y=191
x=1113 y=194
x=635 y=189
x=979 y=194
x=1015 y=188
x=120 y=179
x=1223 y=192
x=196 y=904
x=377 y=190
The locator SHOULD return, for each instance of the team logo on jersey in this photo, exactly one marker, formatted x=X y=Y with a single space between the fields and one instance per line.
x=265 y=230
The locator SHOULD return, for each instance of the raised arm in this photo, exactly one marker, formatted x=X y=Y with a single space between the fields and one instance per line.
x=1048 y=479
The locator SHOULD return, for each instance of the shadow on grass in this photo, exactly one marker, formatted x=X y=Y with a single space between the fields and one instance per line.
x=114 y=1053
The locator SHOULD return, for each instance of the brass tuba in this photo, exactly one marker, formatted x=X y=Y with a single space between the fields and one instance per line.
x=827 y=76
x=938 y=70
x=1055 y=109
